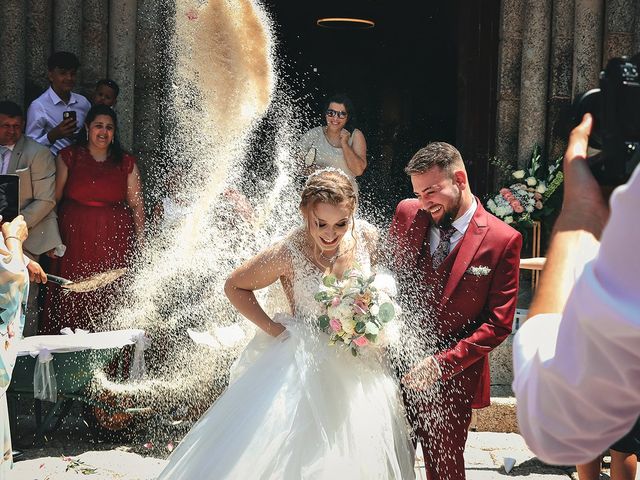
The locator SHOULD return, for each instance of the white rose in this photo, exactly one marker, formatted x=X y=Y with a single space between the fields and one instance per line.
x=508 y=219
x=491 y=205
x=541 y=188
x=342 y=312
x=529 y=208
x=531 y=181
x=371 y=328
x=374 y=309
x=518 y=174
x=348 y=326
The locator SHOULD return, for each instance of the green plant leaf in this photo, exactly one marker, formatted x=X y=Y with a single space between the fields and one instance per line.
x=387 y=312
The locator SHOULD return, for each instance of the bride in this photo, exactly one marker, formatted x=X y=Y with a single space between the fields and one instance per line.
x=297 y=407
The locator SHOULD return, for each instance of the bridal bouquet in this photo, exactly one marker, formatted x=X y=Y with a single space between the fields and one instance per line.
x=356 y=309
x=526 y=199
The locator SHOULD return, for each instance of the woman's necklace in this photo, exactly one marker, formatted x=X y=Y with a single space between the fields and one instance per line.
x=325 y=131
x=332 y=259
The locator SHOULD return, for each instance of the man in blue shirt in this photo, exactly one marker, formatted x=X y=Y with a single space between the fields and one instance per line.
x=47 y=122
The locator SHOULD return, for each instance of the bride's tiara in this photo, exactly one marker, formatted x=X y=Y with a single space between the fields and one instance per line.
x=327 y=169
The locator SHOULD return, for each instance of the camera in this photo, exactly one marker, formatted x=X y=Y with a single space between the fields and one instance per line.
x=615 y=107
x=69 y=114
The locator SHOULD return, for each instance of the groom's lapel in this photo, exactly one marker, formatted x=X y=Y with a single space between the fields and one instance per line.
x=469 y=245
x=416 y=234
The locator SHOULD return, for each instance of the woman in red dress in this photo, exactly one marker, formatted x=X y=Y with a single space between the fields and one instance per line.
x=101 y=218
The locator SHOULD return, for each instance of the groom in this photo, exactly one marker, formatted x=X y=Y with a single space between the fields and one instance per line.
x=458 y=270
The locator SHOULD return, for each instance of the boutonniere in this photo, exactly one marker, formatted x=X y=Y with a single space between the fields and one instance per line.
x=480 y=271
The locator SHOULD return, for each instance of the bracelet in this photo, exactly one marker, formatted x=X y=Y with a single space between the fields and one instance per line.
x=13 y=236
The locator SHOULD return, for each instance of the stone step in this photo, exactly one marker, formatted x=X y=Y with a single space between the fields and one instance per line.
x=499 y=417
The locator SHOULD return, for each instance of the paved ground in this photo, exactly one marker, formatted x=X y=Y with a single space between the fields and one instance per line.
x=485 y=456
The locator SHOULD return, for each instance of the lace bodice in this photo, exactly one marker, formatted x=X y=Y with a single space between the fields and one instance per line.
x=307 y=276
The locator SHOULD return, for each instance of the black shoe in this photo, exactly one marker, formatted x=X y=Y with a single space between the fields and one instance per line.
x=17 y=455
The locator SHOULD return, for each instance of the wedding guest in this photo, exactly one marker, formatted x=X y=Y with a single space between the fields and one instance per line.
x=105 y=93
x=35 y=166
x=48 y=120
x=457 y=267
x=336 y=144
x=576 y=359
x=101 y=218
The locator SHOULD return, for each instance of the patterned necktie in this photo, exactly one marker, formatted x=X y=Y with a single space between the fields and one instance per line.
x=442 y=250
x=4 y=159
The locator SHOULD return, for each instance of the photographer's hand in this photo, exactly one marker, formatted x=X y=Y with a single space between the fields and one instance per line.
x=577 y=231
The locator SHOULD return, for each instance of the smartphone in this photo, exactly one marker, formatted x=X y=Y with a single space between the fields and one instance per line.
x=69 y=114
x=9 y=197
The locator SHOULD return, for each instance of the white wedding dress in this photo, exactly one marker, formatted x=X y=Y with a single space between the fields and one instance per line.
x=297 y=408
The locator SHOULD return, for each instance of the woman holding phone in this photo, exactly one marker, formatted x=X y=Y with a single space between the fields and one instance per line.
x=101 y=218
x=333 y=145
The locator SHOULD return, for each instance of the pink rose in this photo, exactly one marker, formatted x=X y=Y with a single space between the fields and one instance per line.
x=335 y=302
x=504 y=191
x=359 y=307
x=518 y=208
x=537 y=196
x=335 y=324
x=360 y=341
x=539 y=205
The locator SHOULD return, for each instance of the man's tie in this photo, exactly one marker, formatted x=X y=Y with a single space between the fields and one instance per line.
x=4 y=159
x=442 y=250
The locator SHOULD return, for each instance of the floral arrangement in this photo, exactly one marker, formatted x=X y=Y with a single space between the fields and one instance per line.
x=527 y=200
x=356 y=310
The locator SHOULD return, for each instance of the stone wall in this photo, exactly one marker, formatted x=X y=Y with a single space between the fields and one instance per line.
x=125 y=40
x=549 y=52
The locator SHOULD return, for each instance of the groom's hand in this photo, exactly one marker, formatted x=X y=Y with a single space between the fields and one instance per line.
x=423 y=375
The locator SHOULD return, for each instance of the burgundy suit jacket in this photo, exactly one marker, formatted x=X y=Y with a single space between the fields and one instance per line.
x=475 y=313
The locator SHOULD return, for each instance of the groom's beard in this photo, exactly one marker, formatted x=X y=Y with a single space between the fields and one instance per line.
x=449 y=215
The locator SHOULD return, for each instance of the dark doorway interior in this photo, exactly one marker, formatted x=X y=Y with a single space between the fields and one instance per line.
x=402 y=75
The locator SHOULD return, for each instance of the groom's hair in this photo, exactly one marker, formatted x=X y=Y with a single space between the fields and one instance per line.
x=436 y=154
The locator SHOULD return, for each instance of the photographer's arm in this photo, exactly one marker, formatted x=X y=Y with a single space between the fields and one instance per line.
x=578 y=229
x=576 y=373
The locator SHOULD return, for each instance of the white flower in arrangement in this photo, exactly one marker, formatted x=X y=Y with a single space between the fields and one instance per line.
x=531 y=181
x=530 y=208
x=342 y=312
x=518 y=174
x=480 y=271
x=541 y=188
x=491 y=205
x=348 y=325
x=508 y=219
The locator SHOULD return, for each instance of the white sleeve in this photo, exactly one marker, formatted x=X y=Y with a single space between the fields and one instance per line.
x=36 y=125
x=577 y=376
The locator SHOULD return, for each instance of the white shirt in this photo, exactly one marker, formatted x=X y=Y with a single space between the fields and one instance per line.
x=460 y=224
x=45 y=113
x=577 y=375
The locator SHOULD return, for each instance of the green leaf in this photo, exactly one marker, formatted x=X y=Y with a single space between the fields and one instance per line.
x=329 y=280
x=371 y=337
x=323 y=321
x=354 y=351
x=322 y=296
x=360 y=327
x=387 y=312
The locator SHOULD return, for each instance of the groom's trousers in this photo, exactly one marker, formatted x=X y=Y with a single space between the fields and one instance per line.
x=441 y=419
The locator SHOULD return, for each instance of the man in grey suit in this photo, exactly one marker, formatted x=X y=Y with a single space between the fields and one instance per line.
x=35 y=166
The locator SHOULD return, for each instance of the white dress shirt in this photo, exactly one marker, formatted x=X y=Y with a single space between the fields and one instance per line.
x=460 y=224
x=45 y=113
x=577 y=375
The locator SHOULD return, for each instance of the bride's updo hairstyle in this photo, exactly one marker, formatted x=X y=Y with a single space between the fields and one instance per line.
x=331 y=186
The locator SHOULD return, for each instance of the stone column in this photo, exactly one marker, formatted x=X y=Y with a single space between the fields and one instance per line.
x=67 y=26
x=95 y=41
x=587 y=44
x=39 y=22
x=13 y=18
x=560 y=76
x=636 y=29
x=534 y=78
x=619 y=24
x=121 y=64
x=148 y=77
x=510 y=56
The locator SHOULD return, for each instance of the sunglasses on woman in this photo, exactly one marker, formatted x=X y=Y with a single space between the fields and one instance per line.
x=333 y=113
